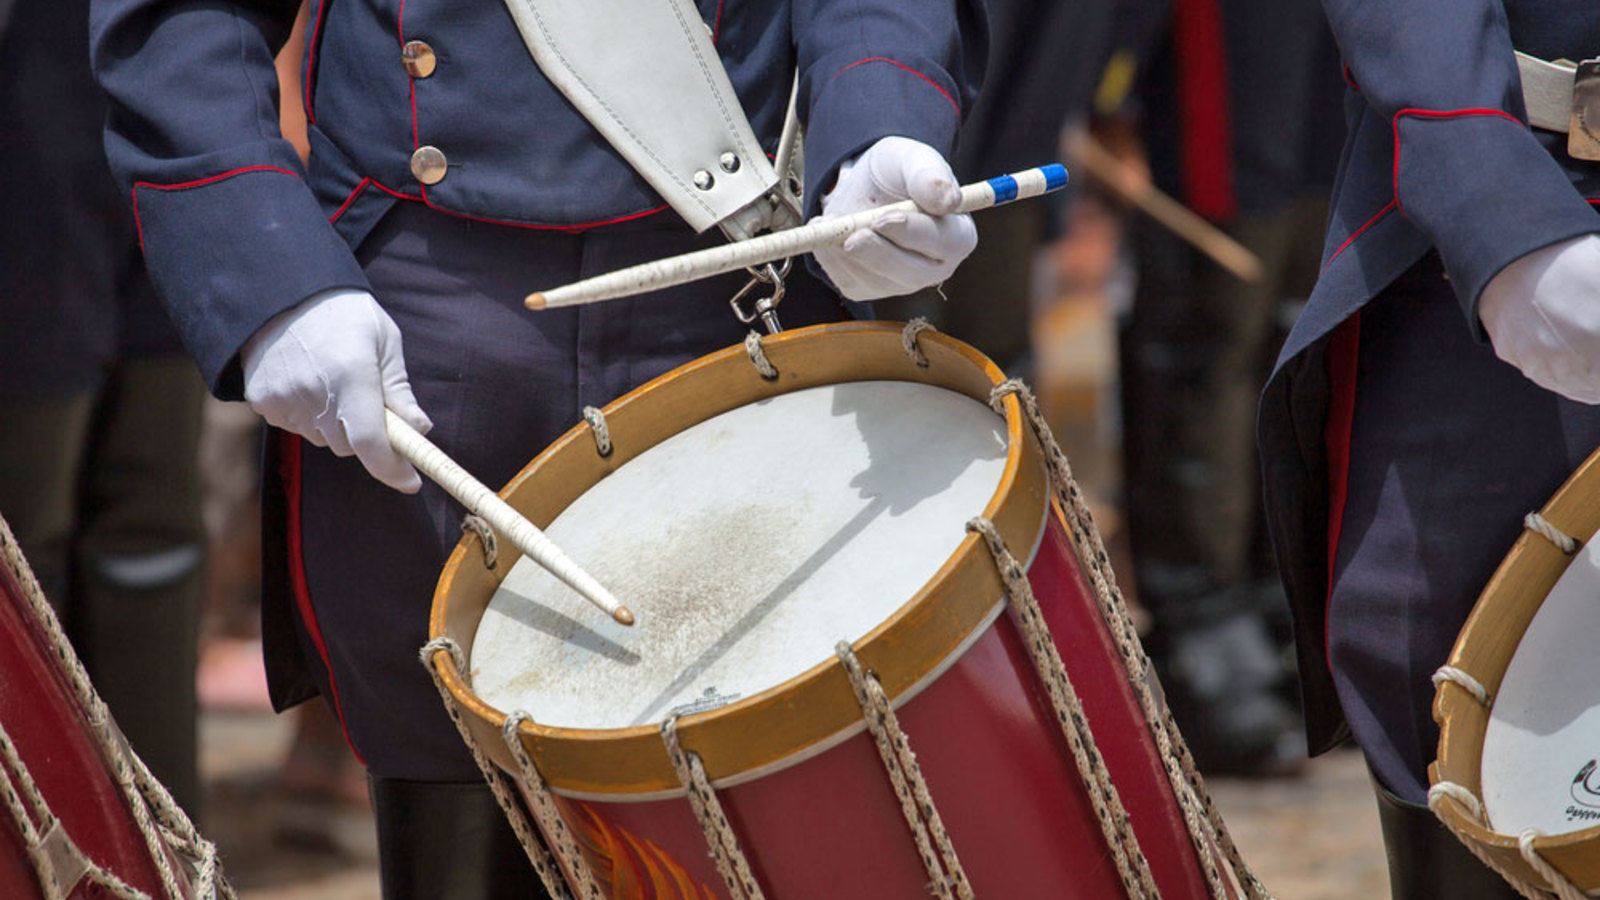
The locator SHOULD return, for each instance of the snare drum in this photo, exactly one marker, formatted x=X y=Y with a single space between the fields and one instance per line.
x=82 y=815
x=1518 y=704
x=831 y=690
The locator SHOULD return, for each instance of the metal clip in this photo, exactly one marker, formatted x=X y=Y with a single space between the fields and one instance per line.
x=766 y=308
x=1583 y=135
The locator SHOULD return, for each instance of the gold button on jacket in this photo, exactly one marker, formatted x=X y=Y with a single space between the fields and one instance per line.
x=428 y=164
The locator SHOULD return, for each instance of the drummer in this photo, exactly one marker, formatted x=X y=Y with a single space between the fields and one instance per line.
x=444 y=184
x=1438 y=385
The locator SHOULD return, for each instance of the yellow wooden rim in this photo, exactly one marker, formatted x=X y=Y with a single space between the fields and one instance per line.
x=757 y=731
x=1484 y=650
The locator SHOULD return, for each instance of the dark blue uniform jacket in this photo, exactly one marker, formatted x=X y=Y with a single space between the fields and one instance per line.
x=236 y=230
x=1439 y=157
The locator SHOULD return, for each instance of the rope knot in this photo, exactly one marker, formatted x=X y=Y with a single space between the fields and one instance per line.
x=758 y=356
x=908 y=340
x=475 y=524
x=602 y=433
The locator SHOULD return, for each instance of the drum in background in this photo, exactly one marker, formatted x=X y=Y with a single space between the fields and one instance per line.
x=82 y=817
x=778 y=535
x=1518 y=705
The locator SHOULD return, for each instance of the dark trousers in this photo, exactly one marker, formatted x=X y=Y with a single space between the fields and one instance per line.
x=1449 y=449
x=102 y=491
x=1196 y=349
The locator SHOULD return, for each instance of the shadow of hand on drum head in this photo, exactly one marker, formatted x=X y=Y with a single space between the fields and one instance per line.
x=909 y=462
x=536 y=615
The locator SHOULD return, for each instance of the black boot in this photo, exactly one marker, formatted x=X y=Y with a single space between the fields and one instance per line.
x=1426 y=861
x=1225 y=684
x=448 y=841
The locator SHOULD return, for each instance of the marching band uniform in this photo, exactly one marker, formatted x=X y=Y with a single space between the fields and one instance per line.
x=1400 y=454
x=449 y=178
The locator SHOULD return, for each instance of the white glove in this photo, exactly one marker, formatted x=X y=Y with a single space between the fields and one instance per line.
x=901 y=252
x=325 y=370
x=1542 y=313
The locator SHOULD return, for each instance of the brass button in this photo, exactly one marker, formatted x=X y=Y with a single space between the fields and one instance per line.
x=418 y=59
x=428 y=165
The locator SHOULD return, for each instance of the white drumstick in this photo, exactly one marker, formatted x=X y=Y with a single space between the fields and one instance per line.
x=527 y=537
x=784 y=244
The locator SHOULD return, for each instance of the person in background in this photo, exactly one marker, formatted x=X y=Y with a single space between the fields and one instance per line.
x=444 y=183
x=1236 y=108
x=100 y=407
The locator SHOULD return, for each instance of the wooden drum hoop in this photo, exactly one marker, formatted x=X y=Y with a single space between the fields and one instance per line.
x=1484 y=651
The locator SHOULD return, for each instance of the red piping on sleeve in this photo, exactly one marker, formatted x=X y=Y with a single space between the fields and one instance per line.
x=1349 y=79
x=350 y=199
x=139 y=225
x=885 y=59
x=1343 y=353
x=716 y=26
x=297 y=575
x=1389 y=208
x=1436 y=114
x=1202 y=60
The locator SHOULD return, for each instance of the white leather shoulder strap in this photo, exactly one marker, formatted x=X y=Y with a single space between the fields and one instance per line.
x=646 y=75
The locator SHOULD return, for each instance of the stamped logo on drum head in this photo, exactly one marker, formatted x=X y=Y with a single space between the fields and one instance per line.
x=1586 y=791
x=707 y=700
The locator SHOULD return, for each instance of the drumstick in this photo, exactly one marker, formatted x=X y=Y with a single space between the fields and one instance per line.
x=1177 y=218
x=527 y=537
x=784 y=244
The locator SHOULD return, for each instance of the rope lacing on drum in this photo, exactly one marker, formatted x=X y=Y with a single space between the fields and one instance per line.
x=1115 y=824
x=1187 y=784
x=947 y=877
x=1473 y=807
x=597 y=424
x=544 y=807
x=1542 y=527
x=758 y=356
x=504 y=793
x=1462 y=679
x=475 y=524
x=169 y=836
x=1558 y=882
x=725 y=849
x=908 y=340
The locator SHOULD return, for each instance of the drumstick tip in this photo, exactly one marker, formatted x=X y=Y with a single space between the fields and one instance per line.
x=534 y=300
x=623 y=615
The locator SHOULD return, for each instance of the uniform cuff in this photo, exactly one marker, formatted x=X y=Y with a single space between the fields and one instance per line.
x=230 y=251
x=856 y=102
x=1479 y=184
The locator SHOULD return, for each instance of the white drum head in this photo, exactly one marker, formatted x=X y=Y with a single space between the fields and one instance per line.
x=747 y=546
x=1542 y=743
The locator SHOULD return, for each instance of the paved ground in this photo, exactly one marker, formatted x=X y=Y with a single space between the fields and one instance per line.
x=1308 y=838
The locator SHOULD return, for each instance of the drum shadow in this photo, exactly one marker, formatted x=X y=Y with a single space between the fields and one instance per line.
x=526 y=611
x=908 y=461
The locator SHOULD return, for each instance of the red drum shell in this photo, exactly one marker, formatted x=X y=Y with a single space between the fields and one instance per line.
x=41 y=713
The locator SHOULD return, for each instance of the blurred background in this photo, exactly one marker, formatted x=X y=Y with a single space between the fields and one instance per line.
x=1144 y=304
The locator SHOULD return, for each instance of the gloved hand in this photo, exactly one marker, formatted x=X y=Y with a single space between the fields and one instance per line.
x=325 y=370
x=1542 y=313
x=901 y=252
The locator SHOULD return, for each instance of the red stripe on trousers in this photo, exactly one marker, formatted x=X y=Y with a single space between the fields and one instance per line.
x=292 y=487
x=1343 y=351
